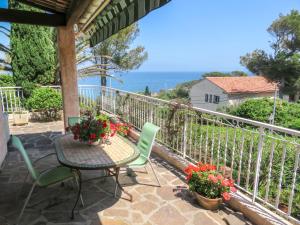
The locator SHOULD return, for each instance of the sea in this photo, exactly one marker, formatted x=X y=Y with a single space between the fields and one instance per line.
x=137 y=81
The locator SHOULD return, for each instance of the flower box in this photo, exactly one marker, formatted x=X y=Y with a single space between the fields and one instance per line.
x=20 y=118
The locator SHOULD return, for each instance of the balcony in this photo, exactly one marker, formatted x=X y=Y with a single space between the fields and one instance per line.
x=261 y=158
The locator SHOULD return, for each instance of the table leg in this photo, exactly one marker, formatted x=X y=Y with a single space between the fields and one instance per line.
x=117 y=171
x=78 y=194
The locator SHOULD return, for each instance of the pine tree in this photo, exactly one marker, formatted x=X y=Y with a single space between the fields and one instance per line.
x=32 y=52
x=113 y=55
x=147 y=91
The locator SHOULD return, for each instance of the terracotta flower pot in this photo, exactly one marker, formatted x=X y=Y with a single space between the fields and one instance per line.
x=95 y=143
x=207 y=203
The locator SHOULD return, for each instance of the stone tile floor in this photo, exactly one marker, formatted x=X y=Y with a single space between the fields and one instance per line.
x=170 y=204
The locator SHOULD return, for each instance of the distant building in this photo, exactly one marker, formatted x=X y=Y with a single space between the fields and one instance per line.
x=217 y=92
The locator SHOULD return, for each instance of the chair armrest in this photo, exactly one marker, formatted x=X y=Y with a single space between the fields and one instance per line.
x=45 y=156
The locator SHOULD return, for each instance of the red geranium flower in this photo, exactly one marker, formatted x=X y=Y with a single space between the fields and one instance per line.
x=92 y=136
x=226 y=196
x=102 y=135
x=191 y=168
x=225 y=183
x=213 y=178
x=220 y=177
x=233 y=189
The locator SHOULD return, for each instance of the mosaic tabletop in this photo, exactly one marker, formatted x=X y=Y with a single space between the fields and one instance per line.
x=117 y=152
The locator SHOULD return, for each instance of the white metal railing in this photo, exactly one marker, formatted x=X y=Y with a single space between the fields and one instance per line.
x=263 y=159
x=12 y=98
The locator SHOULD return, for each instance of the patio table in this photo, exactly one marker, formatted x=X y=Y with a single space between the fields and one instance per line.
x=109 y=157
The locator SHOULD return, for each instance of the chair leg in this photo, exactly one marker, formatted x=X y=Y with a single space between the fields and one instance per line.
x=154 y=173
x=26 y=202
x=22 y=186
x=81 y=198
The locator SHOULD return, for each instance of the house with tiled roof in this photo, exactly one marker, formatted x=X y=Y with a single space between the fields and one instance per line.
x=217 y=92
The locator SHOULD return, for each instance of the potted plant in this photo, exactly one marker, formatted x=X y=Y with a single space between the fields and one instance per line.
x=91 y=130
x=20 y=117
x=209 y=187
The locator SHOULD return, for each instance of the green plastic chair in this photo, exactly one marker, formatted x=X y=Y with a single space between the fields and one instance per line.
x=145 y=145
x=73 y=120
x=44 y=179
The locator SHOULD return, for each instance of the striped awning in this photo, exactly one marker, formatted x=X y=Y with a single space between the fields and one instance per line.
x=118 y=15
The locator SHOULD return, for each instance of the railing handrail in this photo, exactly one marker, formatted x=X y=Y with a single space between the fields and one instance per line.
x=224 y=115
x=11 y=87
x=219 y=114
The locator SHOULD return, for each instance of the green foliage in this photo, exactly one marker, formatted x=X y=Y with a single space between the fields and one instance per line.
x=46 y=101
x=6 y=80
x=287 y=114
x=235 y=73
x=283 y=65
x=180 y=93
x=112 y=55
x=32 y=52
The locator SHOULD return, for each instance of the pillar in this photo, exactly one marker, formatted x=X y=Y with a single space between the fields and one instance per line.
x=68 y=71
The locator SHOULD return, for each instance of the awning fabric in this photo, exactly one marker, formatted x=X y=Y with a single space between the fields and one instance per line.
x=118 y=15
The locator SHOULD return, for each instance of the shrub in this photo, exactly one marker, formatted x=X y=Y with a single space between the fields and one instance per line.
x=6 y=80
x=287 y=113
x=47 y=101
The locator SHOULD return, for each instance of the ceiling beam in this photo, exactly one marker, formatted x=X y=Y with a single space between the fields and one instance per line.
x=34 y=18
x=38 y=6
x=76 y=10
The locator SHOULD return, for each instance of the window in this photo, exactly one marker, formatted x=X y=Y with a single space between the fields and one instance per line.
x=216 y=99
x=206 y=97
x=210 y=98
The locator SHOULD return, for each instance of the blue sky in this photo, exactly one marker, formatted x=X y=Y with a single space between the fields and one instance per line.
x=206 y=35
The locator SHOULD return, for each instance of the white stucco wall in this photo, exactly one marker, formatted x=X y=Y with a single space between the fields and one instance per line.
x=235 y=99
x=198 y=91
x=3 y=144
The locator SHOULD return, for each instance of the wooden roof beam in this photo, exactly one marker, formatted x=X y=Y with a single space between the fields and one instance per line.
x=76 y=10
x=38 y=6
x=34 y=18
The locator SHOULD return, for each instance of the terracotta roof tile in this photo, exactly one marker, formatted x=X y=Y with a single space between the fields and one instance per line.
x=255 y=84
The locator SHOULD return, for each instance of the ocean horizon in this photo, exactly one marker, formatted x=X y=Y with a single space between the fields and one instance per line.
x=137 y=81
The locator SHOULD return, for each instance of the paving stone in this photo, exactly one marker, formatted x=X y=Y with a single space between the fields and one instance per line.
x=166 y=193
x=185 y=206
x=167 y=205
x=152 y=198
x=145 y=189
x=136 y=218
x=202 y=218
x=62 y=216
x=234 y=219
x=107 y=221
x=116 y=212
x=144 y=206
x=168 y=215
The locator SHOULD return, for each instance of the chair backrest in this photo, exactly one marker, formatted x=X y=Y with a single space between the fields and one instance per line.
x=147 y=139
x=16 y=142
x=73 y=120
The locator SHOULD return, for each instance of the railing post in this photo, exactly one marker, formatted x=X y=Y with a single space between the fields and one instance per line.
x=151 y=114
x=102 y=97
x=2 y=102
x=185 y=135
x=258 y=162
x=114 y=102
